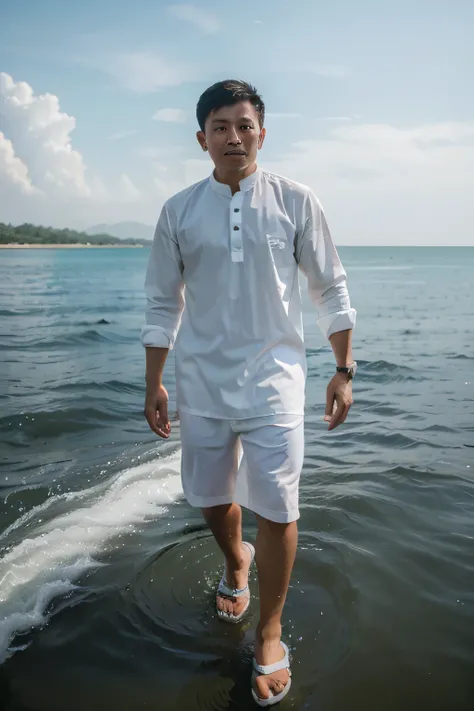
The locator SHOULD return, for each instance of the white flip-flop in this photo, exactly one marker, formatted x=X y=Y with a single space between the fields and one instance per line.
x=225 y=591
x=258 y=670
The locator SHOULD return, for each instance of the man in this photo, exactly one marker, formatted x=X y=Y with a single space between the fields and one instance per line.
x=222 y=288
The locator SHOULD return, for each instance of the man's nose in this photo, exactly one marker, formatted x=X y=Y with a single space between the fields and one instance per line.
x=233 y=137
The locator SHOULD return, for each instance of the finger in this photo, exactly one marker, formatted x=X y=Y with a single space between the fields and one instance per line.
x=164 y=431
x=336 y=418
x=163 y=417
x=163 y=412
x=340 y=415
x=329 y=402
x=151 y=419
x=154 y=423
x=328 y=418
x=346 y=412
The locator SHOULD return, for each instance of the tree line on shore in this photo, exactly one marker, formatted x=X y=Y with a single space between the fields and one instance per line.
x=37 y=234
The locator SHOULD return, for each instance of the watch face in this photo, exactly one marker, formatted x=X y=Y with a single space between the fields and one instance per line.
x=354 y=369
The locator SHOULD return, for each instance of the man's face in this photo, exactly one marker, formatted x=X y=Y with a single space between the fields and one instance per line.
x=233 y=136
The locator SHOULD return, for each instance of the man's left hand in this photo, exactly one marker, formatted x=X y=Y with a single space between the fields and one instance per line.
x=338 y=400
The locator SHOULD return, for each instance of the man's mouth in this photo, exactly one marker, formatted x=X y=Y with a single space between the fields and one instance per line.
x=236 y=152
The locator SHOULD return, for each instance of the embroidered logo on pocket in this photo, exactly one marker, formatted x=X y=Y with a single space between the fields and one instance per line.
x=275 y=242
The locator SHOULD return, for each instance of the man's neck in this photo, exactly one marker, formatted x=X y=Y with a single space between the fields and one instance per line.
x=234 y=177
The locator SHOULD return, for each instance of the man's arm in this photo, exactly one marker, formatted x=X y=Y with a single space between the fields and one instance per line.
x=156 y=399
x=165 y=301
x=339 y=391
x=164 y=288
x=318 y=259
x=341 y=343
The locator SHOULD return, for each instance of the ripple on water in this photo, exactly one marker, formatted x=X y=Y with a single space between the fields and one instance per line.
x=172 y=603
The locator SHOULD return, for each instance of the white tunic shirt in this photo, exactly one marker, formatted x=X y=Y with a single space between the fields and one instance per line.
x=222 y=289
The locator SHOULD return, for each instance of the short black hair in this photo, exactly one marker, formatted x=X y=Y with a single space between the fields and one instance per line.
x=226 y=93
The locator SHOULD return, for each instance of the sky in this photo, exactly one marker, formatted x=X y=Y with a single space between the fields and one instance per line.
x=369 y=103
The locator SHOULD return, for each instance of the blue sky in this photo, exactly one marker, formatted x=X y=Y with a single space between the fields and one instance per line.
x=368 y=103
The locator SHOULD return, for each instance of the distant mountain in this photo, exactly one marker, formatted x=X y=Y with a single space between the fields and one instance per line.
x=123 y=230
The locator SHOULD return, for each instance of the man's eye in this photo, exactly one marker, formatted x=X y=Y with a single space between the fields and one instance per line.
x=220 y=128
x=246 y=126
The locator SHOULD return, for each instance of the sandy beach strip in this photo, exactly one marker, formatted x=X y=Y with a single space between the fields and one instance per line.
x=69 y=246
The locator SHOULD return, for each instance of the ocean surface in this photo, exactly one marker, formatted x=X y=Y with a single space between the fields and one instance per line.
x=107 y=575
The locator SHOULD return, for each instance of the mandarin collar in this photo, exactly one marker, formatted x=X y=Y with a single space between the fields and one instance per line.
x=245 y=184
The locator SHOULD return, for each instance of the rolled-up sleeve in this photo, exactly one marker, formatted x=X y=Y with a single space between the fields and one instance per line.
x=319 y=261
x=164 y=288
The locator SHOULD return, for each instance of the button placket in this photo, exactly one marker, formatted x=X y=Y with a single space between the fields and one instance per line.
x=235 y=227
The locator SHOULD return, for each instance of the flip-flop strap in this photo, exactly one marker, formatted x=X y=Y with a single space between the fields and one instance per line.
x=223 y=589
x=231 y=592
x=251 y=549
x=271 y=668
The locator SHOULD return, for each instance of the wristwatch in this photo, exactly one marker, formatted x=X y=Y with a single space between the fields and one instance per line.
x=350 y=370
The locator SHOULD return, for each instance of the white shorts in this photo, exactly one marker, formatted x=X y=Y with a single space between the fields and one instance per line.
x=254 y=462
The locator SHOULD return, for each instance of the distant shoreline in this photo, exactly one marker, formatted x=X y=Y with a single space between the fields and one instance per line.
x=135 y=246
x=71 y=246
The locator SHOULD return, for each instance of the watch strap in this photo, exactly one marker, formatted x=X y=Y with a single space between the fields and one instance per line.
x=350 y=370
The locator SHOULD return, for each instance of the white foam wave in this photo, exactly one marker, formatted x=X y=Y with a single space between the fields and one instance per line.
x=38 y=569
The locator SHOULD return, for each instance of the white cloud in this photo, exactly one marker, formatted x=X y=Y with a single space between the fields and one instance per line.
x=388 y=185
x=334 y=119
x=331 y=71
x=41 y=175
x=379 y=184
x=40 y=134
x=170 y=115
x=12 y=169
x=195 y=169
x=167 y=152
x=283 y=115
x=202 y=19
x=120 y=135
x=143 y=71
x=448 y=132
x=127 y=190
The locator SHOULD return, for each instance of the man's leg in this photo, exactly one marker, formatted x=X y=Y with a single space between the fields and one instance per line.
x=275 y=555
x=209 y=464
x=225 y=523
x=274 y=451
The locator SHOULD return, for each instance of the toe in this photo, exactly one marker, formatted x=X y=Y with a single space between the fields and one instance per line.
x=224 y=604
x=276 y=686
x=229 y=606
x=221 y=603
x=271 y=684
x=238 y=606
x=261 y=687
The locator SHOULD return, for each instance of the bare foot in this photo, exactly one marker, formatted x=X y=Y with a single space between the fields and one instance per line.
x=269 y=652
x=237 y=579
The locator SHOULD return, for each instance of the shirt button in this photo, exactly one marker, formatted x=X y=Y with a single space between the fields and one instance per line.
x=236 y=227
x=236 y=209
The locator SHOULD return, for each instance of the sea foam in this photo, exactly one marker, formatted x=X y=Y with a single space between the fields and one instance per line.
x=46 y=565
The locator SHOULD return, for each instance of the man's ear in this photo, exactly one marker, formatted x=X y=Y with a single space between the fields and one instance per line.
x=201 y=136
x=261 y=137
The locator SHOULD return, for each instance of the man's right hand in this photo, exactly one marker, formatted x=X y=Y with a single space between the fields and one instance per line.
x=156 y=412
